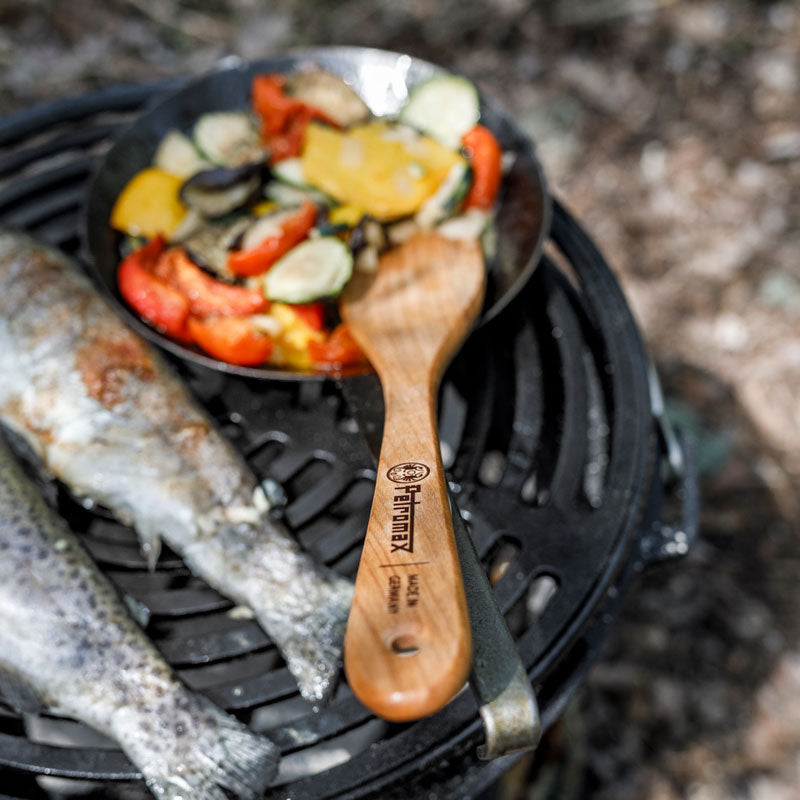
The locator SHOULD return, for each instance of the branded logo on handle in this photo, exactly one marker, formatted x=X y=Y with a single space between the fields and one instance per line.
x=410 y=472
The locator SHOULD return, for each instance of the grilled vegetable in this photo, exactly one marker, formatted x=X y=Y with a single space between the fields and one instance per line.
x=210 y=243
x=445 y=201
x=300 y=323
x=486 y=158
x=280 y=238
x=386 y=170
x=314 y=269
x=177 y=155
x=149 y=204
x=298 y=328
x=206 y=295
x=228 y=138
x=284 y=118
x=291 y=185
x=163 y=306
x=290 y=170
x=285 y=194
x=313 y=314
x=330 y=94
x=269 y=225
x=349 y=216
x=234 y=340
x=469 y=225
x=445 y=106
x=219 y=191
x=340 y=350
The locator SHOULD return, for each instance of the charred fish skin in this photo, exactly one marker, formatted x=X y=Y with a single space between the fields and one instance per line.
x=107 y=417
x=67 y=639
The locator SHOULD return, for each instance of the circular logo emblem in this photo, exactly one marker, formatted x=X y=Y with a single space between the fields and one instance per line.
x=410 y=472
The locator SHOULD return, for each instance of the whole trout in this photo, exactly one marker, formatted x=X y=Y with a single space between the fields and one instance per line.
x=67 y=644
x=107 y=417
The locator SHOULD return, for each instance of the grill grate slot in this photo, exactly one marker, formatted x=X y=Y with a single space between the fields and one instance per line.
x=563 y=486
x=201 y=647
x=349 y=533
x=317 y=488
x=65 y=145
x=44 y=185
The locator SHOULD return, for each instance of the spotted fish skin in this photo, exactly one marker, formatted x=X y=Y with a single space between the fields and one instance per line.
x=104 y=414
x=69 y=643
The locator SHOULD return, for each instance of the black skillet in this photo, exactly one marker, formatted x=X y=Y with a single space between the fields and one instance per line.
x=382 y=79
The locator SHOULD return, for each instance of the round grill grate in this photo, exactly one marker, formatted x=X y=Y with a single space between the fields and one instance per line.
x=550 y=444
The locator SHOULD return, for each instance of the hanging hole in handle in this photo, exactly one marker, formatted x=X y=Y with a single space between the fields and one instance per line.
x=404 y=645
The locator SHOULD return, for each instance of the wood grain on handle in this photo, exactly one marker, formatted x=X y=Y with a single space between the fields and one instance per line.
x=407 y=646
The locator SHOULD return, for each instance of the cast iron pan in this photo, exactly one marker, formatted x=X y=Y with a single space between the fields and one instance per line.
x=383 y=80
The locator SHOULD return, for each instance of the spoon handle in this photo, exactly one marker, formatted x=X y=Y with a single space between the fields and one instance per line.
x=408 y=646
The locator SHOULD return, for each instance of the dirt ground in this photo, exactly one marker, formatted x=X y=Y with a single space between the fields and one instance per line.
x=672 y=129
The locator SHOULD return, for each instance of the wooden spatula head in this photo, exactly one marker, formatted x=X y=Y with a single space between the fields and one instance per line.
x=420 y=304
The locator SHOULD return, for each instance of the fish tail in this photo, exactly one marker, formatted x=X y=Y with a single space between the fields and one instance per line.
x=313 y=649
x=226 y=759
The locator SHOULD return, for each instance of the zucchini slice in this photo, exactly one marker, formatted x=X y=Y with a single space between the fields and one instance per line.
x=228 y=138
x=286 y=194
x=290 y=170
x=470 y=225
x=445 y=107
x=177 y=155
x=314 y=269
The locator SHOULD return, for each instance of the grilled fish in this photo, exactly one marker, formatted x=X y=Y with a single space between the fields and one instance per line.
x=106 y=416
x=67 y=644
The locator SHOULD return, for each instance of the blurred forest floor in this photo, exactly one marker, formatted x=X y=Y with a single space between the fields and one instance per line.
x=672 y=130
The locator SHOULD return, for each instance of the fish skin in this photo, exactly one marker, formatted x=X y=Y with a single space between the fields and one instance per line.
x=68 y=640
x=105 y=415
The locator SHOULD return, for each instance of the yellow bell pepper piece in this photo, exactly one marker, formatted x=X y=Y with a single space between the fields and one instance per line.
x=149 y=204
x=284 y=356
x=385 y=170
x=264 y=207
x=345 y=215
x=291 y=344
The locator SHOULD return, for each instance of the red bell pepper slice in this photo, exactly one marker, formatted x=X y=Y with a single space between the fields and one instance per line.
x=271 y=104
x=231 y=339
x=289 y=142
x=284 y=119
x=206 y=295
x=339 y=350
x=261 y=258
x=313 y=314
x=160 y=304
x=486 y=158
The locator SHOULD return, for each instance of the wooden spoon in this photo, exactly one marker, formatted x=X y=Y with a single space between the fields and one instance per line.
x=407 y=645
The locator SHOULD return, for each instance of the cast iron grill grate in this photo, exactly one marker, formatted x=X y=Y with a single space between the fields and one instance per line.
x=550 y=445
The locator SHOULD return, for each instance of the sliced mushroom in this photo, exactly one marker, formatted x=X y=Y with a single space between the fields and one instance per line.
x=330 y=94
